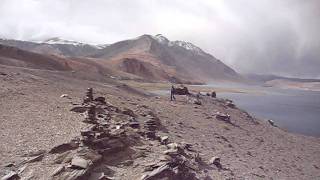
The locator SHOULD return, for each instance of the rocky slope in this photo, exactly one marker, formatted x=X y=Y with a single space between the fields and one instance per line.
x=52 y=129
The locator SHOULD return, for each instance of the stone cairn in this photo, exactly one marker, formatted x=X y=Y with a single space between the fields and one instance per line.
x=102 y=137
x=89 y=96
x=151 y=125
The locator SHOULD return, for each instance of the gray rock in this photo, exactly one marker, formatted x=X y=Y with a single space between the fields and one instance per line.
x=215 y=161
x=78 y=162
x=164 y=139
x=271 y=122
x=223 y=117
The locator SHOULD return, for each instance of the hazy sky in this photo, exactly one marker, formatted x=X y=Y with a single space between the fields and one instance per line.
x=255 y=36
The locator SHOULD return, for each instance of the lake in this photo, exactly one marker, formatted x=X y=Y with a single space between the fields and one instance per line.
x=297 y=111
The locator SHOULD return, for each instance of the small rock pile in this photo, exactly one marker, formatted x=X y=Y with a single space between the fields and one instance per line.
x=106 y=134
x=230 y=104
x=180 y=162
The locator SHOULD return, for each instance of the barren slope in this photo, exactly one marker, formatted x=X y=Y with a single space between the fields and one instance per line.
x=35 y=117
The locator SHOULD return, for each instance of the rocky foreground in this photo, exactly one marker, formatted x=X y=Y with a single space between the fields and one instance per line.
x=53 y=127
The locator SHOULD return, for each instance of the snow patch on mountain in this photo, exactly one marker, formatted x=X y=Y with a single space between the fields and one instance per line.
x=161 y=39
x=186 y=45
x=57 y=40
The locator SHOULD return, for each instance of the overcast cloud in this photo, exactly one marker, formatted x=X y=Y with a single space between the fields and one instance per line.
x=252 y=36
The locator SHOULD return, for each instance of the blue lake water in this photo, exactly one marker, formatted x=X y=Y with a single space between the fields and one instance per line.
x=294 y=110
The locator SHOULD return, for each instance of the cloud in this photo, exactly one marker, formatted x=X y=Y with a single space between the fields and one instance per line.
x=265 y=36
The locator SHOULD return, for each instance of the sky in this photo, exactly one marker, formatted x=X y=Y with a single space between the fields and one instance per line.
x=252 y=36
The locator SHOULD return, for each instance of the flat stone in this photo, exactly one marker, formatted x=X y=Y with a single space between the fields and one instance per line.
x=172 y=146
x=36 y=158
x=157 y=173
x=78 y=162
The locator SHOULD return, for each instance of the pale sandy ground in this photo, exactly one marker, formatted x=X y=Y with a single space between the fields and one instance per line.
x=34 y=117
x=287 y=84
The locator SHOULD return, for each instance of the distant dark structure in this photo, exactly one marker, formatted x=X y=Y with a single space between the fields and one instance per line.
x=179 y=91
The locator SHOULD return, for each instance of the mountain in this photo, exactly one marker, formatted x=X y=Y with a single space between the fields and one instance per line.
x=161 y=59
x=152 y=58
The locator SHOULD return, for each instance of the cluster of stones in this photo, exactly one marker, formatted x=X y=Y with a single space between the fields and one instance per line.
x=180 y=161
x=102 y=137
